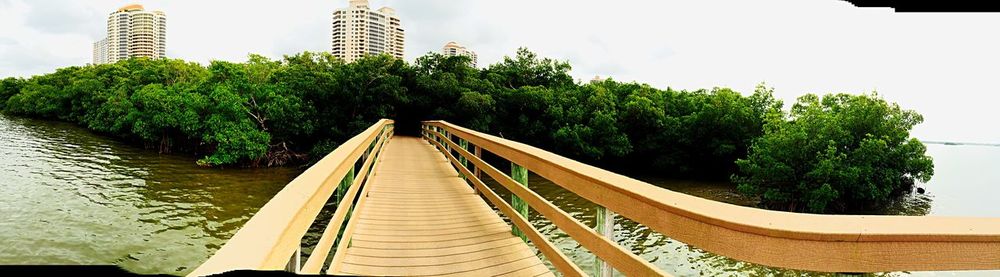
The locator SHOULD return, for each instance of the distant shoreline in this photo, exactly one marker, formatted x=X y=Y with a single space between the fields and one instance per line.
x=954 y=143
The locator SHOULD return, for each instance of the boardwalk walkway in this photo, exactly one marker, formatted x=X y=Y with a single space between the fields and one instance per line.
x=414 y=216
x=421 y=218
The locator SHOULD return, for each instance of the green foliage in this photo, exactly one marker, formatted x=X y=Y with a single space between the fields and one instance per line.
x=228 y=126
x=826 y=155
x=839 y=153
x=480 y=106
x=8 y=88
x=162 y=112
x=526 y=69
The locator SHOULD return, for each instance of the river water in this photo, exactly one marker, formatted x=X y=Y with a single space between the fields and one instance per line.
x=68 y=196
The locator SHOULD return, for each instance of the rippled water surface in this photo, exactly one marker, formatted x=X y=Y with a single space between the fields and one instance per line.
x=965 y=184
x=71 y=197
x=68 y=196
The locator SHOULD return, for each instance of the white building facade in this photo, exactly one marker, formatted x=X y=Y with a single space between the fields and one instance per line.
x=101 y=51
x=360 y=31
x=133 y=32
x=454 y=49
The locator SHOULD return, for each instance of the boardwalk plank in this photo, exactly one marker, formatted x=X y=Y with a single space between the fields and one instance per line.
x=420 y=218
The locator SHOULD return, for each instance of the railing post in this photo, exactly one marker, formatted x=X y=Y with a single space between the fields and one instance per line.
x=341 y=190
x=605 y=225
x=519 y=174
x=479 y=154
x=345 y=184
x=447 y=136
x=294 y=263
x=461 y=159
x=364 y=156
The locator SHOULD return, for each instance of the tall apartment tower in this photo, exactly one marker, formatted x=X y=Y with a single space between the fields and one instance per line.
x=133 y=32
x=454 y=49
x=359 y=31
x=101 y=51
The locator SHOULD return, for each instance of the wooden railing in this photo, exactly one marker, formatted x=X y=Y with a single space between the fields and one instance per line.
x=272 y=238
x=828 y=243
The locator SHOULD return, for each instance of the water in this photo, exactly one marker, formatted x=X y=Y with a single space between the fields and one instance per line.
x=68 y=196
x=963 y=185
x=71 y=197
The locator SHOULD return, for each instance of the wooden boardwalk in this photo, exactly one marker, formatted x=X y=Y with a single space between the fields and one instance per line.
x=421 y=218
x=414 y=216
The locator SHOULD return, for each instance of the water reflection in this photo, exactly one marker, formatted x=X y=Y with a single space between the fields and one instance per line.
x=684 y=260
x=71 y=197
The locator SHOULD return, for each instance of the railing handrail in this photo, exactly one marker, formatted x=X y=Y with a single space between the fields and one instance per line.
x=333 y=228
x=603 y=247
x=558 y=259
x=273 y=235
x=830 y=243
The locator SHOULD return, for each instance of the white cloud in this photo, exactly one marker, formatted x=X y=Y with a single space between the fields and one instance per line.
x=73 y=17
x=26 y=51
x=942 y=65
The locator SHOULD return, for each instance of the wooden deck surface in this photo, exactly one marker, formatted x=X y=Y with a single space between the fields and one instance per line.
x=421 y=218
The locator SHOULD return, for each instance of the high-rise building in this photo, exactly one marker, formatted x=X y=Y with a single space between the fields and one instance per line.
x=454 y=49
x=101 y=51
x=133 y=32
x=359 y=31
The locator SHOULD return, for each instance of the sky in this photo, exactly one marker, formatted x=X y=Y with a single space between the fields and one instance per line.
x=943 y=65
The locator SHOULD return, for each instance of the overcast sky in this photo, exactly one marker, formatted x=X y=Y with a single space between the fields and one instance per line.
x=945 y=66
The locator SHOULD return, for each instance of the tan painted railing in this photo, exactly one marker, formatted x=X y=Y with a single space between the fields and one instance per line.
x=828 y=243
x=272 y=238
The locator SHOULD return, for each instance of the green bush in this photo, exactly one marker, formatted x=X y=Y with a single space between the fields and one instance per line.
x=839 y=153
x=265 y=112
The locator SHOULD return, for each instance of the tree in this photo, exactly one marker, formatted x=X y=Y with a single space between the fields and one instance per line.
x=441 y=79
x=828 y=154
x=162 y=114
x=835 y=154
x=315 y=78
x=9 y=87
x=236 y=137
x=586 y=122
x=476 y=110
x=526 y=69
